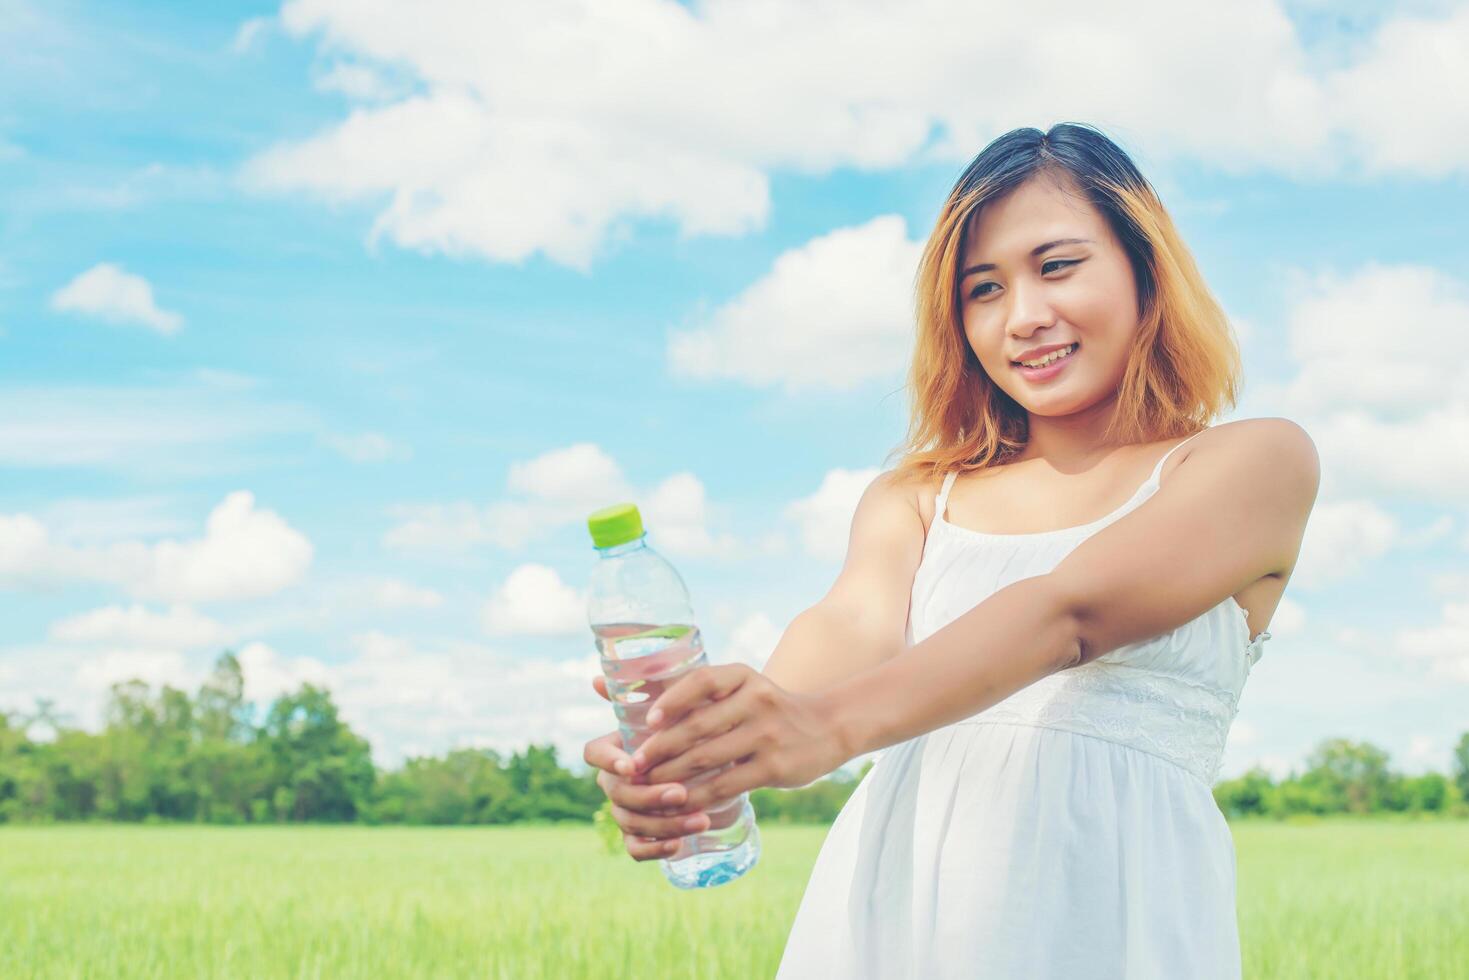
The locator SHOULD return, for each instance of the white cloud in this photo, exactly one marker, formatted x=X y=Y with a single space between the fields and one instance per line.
x=152 y=667
x=825 y=517
x=368 y=447
x=650 y=109
x=248 y=33
x=751 y=642
x=357 y=82
x=268 y=675
x=227 y=380
x=108 y=292
x=559 y=488
x=397 y=594
x=1439 y=529
x=1444 y=645
x=245 y=553
x=1278 y=766
x=179 y=628
x=1449 y=583
x=1374 y=101
x=1242 y=733
x=1425 y=754
x=157 y=431
x=1348 y=356
x=412 y=697
x=1386 y=417
x=1289 y=619
x=1342 y=537
x=676 y=518
x=577 y=473
x=406 y=696
x=533 y=600
x=832 y=313
x=135 y=188
x=91 y=520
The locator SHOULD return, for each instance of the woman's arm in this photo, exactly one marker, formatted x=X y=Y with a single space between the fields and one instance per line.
x=860 y=623
x=862 y=620
x=1234 y=512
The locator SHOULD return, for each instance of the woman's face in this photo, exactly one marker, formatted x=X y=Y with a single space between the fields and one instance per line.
x=1079 y=293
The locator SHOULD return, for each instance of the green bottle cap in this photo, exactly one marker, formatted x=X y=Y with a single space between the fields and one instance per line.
x=615 y=525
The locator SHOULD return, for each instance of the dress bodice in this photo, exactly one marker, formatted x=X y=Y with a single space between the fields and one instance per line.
x=1173 y=695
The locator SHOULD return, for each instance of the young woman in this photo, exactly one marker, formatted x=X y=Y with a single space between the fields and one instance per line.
x=1046 y=615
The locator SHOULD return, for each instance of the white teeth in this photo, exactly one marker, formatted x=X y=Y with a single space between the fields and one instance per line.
x=1053 y=356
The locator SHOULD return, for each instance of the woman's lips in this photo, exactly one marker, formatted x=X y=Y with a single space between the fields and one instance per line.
x=1050 y=370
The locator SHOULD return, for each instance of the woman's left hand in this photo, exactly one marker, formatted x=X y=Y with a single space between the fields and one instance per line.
x=733 y=713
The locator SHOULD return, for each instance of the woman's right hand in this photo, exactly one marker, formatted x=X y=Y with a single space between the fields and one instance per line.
x=651 y=816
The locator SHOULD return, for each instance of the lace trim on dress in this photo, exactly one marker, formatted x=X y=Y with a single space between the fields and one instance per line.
x=1168 y=717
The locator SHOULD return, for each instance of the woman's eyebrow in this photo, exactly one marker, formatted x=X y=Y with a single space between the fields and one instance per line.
x=986 y=266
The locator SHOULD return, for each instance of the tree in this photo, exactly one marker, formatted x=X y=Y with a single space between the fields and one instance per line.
x=1427 y=793
x=1250 y=794
x=1461 y=766
x=545 y=791
x=15 y=750
x=222 y=711
x=147 y=744
x=322 y=770
x=1352 y=775
x=45 y=716
x=467 y=786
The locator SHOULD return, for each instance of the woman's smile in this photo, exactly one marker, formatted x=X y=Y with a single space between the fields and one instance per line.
x=1051 y=370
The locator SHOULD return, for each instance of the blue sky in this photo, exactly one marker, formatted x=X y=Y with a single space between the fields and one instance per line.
x=322 y=327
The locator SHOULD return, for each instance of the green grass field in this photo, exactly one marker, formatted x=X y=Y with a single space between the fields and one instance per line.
x=1339 y=899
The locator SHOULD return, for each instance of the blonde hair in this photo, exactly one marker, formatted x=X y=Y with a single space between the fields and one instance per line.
x=1184 y=367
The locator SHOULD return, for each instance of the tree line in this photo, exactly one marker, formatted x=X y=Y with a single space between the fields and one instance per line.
x=210 y=757
x=1342 y=776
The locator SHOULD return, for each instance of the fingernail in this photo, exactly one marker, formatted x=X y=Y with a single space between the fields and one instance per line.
x=694 y=823
x=655 y=716
x=623 y=766
x=639 y=761
x=672 y=795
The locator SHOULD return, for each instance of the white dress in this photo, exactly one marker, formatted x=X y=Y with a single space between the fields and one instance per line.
x=1068 y=832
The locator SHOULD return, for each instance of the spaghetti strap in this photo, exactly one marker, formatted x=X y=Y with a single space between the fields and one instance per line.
x=942 y=500
x=1158 y=470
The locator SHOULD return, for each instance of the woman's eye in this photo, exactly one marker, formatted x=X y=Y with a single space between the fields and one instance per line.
x=975 y=293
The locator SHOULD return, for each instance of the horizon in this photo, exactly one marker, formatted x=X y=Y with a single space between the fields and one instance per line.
x=295 y=363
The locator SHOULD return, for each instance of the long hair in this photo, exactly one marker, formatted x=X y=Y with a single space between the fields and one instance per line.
x=1184 y=365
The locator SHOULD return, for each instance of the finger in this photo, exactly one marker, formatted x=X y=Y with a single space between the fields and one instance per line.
x=713 y=794
x=606 y=752
x=701 y=684
x=662 y=828
x=706 y=755
x=663 y=799
x=705 y=721
x=642 y=850
x=600 y=684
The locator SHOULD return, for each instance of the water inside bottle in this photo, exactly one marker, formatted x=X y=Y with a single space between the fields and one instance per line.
x=640 y=662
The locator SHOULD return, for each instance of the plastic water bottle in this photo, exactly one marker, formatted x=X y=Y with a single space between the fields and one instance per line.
x=640 y=614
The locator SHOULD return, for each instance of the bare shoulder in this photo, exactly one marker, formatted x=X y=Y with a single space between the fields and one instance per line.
x=915 y=490
x=885 y=542
x=1272 y=462
x=1275 y=447
x=1233 y=512
x=894 y=487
